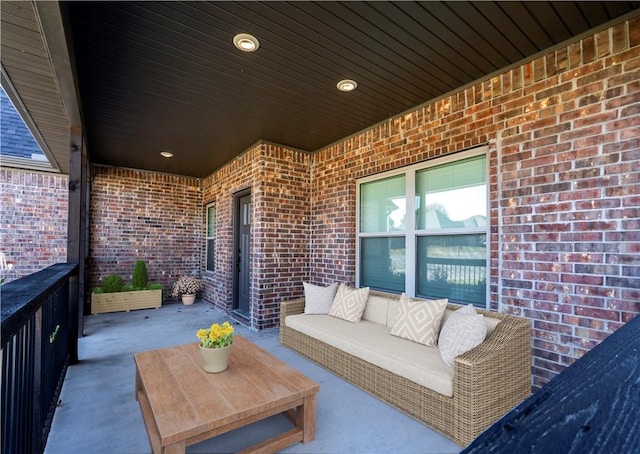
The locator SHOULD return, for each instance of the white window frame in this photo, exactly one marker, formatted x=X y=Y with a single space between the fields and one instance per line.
x=410 y=233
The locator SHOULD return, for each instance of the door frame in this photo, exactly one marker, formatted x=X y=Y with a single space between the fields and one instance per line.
x=237 y=219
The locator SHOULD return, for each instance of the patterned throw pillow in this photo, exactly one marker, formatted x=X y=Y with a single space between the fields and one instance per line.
x=419 y=321
x=349 y=303
x=464 y=330
x=318 y=300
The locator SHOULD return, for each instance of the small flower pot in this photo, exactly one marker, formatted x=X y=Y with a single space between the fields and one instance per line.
x=188 y=299
x=215 y=359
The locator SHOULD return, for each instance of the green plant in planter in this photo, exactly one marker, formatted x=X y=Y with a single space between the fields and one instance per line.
x=112 y=284
x=114 y=296
x=140 y=278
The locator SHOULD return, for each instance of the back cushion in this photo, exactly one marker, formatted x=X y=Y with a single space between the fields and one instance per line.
x=394 y=308
x=392 y=313
x=376 y=309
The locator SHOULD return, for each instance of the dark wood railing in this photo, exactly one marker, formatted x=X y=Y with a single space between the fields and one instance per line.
x=38 y=335
x=592 y=407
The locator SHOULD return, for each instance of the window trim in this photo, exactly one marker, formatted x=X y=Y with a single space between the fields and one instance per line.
x=410 y=233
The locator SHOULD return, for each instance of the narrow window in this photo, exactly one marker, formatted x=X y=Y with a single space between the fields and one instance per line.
x=211 y=237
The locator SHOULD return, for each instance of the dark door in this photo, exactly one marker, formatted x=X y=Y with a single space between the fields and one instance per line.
x=241 y=291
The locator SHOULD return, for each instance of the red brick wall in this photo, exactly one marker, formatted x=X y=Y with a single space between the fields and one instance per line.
x=279 y=182
x=564 y=152
x=33 y=210
x=136 y=215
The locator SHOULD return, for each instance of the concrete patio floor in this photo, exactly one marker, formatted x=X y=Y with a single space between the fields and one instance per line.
x=99 y=414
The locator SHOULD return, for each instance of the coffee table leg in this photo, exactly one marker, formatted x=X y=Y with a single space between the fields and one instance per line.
x=306 y=418
x=177 y=448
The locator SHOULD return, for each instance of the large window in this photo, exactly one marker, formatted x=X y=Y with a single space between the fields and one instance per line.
x=211 y=237
x=432 y=244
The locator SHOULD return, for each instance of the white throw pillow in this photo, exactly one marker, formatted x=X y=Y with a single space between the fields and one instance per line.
x=317 y=299
x=464 y=330
x=419 y=321
x=349 y=303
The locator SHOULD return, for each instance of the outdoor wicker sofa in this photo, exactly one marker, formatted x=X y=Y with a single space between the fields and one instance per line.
x=488 y=380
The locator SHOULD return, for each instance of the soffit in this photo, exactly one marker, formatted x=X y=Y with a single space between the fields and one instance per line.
x=158 y=76
x=27 y=77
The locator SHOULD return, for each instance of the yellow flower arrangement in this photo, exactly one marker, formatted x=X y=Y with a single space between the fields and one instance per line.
x=217 y=336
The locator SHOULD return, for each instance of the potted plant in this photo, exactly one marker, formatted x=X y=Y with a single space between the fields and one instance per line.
x=114 y=296
x=215 y=346
x=186 y=287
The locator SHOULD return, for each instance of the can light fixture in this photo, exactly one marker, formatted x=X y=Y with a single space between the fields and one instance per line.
x=347 y=85
x=166 y=154
x=246 y=42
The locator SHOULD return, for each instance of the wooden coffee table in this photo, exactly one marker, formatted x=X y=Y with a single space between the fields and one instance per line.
x=182 y=404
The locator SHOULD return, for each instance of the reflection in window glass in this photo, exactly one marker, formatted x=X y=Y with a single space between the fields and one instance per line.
x=452 y=195
x=383 y=263
x=383 y=205
x=453 y=267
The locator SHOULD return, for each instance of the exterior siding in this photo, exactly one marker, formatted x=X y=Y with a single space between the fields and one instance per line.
x=33 y=209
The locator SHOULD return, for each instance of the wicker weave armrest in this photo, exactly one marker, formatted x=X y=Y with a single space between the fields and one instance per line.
x=493 y=377
x=290 y=308
x=502 y=337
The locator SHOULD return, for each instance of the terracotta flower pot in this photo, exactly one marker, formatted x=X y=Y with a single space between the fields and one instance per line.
x=188 y=299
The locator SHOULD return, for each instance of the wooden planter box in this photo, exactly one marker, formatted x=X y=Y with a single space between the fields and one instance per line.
x=125 y=301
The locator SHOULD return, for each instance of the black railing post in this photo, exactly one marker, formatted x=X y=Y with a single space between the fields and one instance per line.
x=38 y=371
x=74 y=312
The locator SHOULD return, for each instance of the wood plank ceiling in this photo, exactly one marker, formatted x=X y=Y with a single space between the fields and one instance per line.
x=165 y=75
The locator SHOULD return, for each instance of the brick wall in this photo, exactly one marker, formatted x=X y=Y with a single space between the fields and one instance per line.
x=279 y=182
x=564 y=152
x=33 y=210
x=136 y=215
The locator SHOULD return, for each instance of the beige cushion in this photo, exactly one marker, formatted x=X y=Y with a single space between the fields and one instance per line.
x=490 y=321
x=419 y=320
x=371 y=342
x=392 y=312
x=317 y=299
x=376 y=309
x=349 y=303
x=463 y=331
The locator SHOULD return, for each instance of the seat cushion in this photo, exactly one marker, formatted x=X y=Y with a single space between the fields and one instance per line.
x=371 y=342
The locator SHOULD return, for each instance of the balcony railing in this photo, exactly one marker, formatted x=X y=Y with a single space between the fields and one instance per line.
x=38 y=334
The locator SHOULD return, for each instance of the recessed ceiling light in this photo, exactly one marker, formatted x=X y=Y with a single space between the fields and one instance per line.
x=347 y=85
x=166 y=154
x=246 y=42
